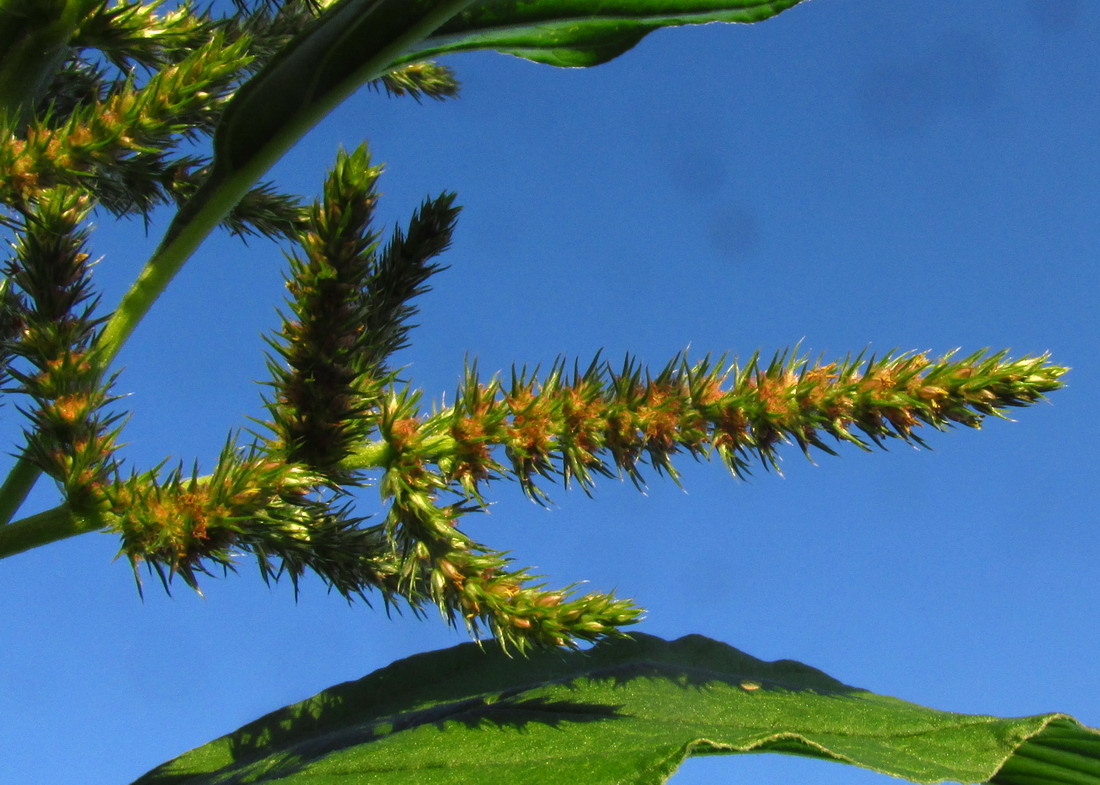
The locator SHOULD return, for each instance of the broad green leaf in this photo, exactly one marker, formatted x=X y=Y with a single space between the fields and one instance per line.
x=580 y=33
x=358 y=40
x=627 y=711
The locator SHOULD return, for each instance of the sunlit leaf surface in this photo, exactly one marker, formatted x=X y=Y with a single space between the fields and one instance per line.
x=627 y=711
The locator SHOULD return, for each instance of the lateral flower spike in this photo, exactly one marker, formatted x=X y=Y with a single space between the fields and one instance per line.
x=349 y=311
x=607 y=422
x=182 y=524
x=72 y=436
x=437 y=563
x=126 y=135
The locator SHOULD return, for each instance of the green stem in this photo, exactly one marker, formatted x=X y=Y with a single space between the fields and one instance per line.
x=17 y=486
x=154 y=278
x=45 y=527
x=192 y=225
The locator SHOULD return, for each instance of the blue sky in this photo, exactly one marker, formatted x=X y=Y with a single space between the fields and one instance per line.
x=911 y=175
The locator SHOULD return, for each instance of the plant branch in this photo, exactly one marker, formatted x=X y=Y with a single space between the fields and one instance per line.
x=17 y=486
x=52 y=525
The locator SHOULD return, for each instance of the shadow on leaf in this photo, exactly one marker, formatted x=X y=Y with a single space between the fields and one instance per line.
x=481 y=689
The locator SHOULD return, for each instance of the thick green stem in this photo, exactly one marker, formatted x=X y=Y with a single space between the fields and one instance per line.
x=17 y=486
x=178 y=246
x=45 y=527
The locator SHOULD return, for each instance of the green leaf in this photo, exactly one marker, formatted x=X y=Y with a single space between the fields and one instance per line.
x=626 y=711
x=581 y=33
x=358 y=40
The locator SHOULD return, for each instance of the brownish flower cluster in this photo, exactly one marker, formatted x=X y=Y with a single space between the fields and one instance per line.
x=102 y=110
x=71 y=437
x=464 y=579
x=104 y=146
x=603 y=422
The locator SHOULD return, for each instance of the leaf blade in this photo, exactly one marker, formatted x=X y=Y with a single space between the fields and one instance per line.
x=580 y=33
x=625 y=711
